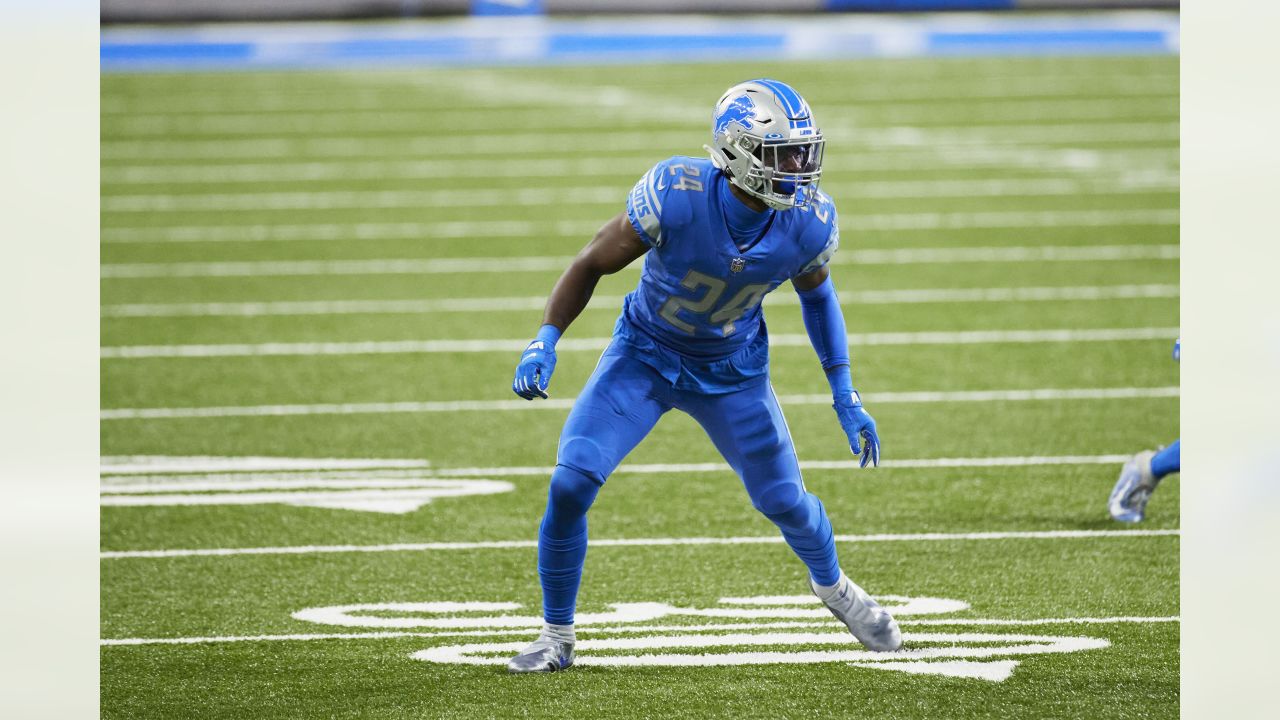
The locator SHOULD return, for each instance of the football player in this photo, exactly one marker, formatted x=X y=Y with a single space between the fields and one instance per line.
x=716 y=235
x=1143 y=472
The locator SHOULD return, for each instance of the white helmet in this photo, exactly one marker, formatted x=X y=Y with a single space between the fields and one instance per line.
x=764 y=139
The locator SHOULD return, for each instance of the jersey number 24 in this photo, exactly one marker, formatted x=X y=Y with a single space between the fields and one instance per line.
x=729 y=313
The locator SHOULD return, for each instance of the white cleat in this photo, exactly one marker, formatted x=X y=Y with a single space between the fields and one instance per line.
x=1128 y=501
x=871 y=624
x=543 y=655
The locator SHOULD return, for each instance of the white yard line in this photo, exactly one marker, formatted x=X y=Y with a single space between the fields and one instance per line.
x=943 y=90
x=378 y=199
x=631 y=542
x=557 y=263
x=451 y=406
x=480 y=90
x=1008 y=109
x=391 y=169
x=218 y=481
x=510 y=145
x=151 y=486
x=469 y=229
x=608 y=195
x=932 y=92
x=612 y=302
x=1035 y=253
x=285 y=268
x=1044 y=621
x=146 y=464
x=393 y=634
x=852 y=464
x=402 y=120
x=399 y=347
x=610 y=140
x=233 y=469
x=1115 y=165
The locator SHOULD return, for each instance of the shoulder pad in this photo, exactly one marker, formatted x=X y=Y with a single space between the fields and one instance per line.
x=661 y=198
x=820 y=236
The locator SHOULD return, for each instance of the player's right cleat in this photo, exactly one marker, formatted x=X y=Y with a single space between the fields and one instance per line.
x=1128 y=501
x=545 y=654
x=871 y=624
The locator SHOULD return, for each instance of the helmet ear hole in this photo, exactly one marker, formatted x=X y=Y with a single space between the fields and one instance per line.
x=730 y=159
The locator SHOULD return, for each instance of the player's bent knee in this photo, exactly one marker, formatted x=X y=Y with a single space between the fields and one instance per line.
x=572 y=492
x=779 y=500
x=585 y=456
x=791 y=508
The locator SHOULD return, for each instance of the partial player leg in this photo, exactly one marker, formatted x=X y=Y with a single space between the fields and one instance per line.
x=748 y=428
x=1139 y=478
x=618 y=407
x=1167 y=461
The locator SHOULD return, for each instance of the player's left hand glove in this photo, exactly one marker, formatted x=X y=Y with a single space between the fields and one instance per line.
x=858 y=425
x=533 y=374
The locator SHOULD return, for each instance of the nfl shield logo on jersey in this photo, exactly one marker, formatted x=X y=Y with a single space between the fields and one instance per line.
x=737 y=264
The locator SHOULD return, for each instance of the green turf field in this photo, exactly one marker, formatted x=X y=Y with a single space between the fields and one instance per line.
x=320 y=496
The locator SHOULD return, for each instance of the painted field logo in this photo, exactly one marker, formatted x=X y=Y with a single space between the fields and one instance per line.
x=761 y=630
x=384 y=486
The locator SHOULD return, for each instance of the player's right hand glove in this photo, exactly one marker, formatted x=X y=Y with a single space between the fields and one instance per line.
x=858 y=425
x=533 y=374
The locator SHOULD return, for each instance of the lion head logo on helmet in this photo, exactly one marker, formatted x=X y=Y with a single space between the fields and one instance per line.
x=741 y=111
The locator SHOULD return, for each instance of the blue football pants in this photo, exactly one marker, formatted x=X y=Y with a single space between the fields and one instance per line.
x=622 y=401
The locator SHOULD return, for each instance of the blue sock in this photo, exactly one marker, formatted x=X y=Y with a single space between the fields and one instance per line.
x=807 y=530
x=1168 y=460
x=562 y=542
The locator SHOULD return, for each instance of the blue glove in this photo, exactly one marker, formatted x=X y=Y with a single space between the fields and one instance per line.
x=538 y=361
x=857 y=425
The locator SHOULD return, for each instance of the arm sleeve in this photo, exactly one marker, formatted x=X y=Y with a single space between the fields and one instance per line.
x=824 y=322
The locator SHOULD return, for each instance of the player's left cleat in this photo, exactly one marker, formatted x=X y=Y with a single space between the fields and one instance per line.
x=545 y=654
x=1128 y=501
x=871 y=624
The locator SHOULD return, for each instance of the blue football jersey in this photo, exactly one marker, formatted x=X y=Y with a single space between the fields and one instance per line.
x=699 y=293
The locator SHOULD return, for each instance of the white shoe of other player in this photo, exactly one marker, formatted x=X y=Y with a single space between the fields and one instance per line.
x=546 y=654
x=1128 y=501
x=871 y=624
